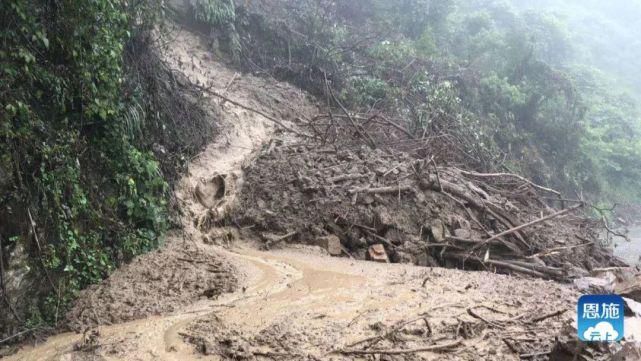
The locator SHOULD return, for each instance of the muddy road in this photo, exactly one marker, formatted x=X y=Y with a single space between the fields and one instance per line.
x=302 y=304
x=292 y=303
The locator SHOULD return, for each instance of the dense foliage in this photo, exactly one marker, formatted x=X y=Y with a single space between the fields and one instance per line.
x=79 y=195
x=540 y=91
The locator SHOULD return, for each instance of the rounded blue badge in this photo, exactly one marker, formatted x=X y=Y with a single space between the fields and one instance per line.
x=600 y=318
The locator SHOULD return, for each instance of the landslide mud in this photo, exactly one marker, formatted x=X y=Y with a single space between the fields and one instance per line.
x=295 y=303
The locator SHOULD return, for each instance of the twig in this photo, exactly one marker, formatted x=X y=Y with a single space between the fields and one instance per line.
x=269 y=117
x=549 y=315
x=510 y=346
x=439 y=347
x=381 y=190
x=513 y=267
x=393 y=124
x=529 y=224
x=495 y=175
x=273 y=241
x=233 y=78
x=382 y=239
x=471 y=312
x=32 y=223
x=534 y=354
x=557 y=249
x=476 y=203
x=18 y=334
x=362 y=133
x=346 y=177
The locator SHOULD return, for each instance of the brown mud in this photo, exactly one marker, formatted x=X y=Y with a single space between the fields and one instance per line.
x=295 y=303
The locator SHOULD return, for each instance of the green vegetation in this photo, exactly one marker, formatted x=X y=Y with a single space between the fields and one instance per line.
x=79 y=193
x=543 y=92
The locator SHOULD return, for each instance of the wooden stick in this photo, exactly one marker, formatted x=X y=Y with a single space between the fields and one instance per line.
x=529 y=224
x=17 y=334
x=362 y=133
x=346 y=177
x=240 y=105
x=476 y=203
x=510 y=266
x=495 y=175
x=393 y=124
x=549 y=315
x=557 y=249
x=534 y=354
x=381 y=190
x=438 y=347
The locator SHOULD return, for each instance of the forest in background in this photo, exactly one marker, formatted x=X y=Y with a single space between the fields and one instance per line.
x=94 y=131
x=549 y=92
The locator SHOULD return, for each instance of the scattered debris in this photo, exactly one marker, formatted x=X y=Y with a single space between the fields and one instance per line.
x=417 y=211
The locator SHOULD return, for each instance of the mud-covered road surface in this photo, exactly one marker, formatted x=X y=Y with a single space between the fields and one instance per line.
x=292 y=303
x=301 y=304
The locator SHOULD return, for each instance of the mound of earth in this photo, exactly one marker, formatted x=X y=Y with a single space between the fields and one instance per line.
x=419 y=212
x=156 y=283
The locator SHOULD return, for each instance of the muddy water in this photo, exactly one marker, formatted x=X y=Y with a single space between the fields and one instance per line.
x=630 y=251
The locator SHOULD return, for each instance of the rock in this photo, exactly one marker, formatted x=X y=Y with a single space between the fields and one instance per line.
x=383 y=217
x=367 y=199
x=376 y=253
x=330 y=243
x=210 y=192
x=632 y=307
x=594 y=285
x=423 y=259
x=437 y=228
x=630 y=288
x=629 y=351
x=463 y=233
x=395 y=236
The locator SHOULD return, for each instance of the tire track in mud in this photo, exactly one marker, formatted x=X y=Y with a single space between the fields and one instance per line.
x=272 y=280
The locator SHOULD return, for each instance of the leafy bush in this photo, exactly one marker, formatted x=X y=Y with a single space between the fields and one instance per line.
x=81 y=195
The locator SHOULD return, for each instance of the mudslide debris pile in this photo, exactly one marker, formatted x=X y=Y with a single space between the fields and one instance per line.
x=159 y=282
x=421 y=213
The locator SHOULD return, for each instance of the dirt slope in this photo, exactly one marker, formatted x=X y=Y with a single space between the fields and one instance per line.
x=294 y=303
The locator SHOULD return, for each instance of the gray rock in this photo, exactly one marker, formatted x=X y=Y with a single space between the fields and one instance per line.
x=437 y=229
x=593 y=285
x=330 y=243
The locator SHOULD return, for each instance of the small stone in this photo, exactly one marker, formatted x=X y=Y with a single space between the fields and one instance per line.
x=331 y=243
x=630 y=288
x=463 y=233
x=425 y=260
x=367 y=199
x=383 y=217
x=376 y=253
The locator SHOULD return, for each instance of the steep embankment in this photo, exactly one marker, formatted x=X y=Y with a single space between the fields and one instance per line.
x=296 y=303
